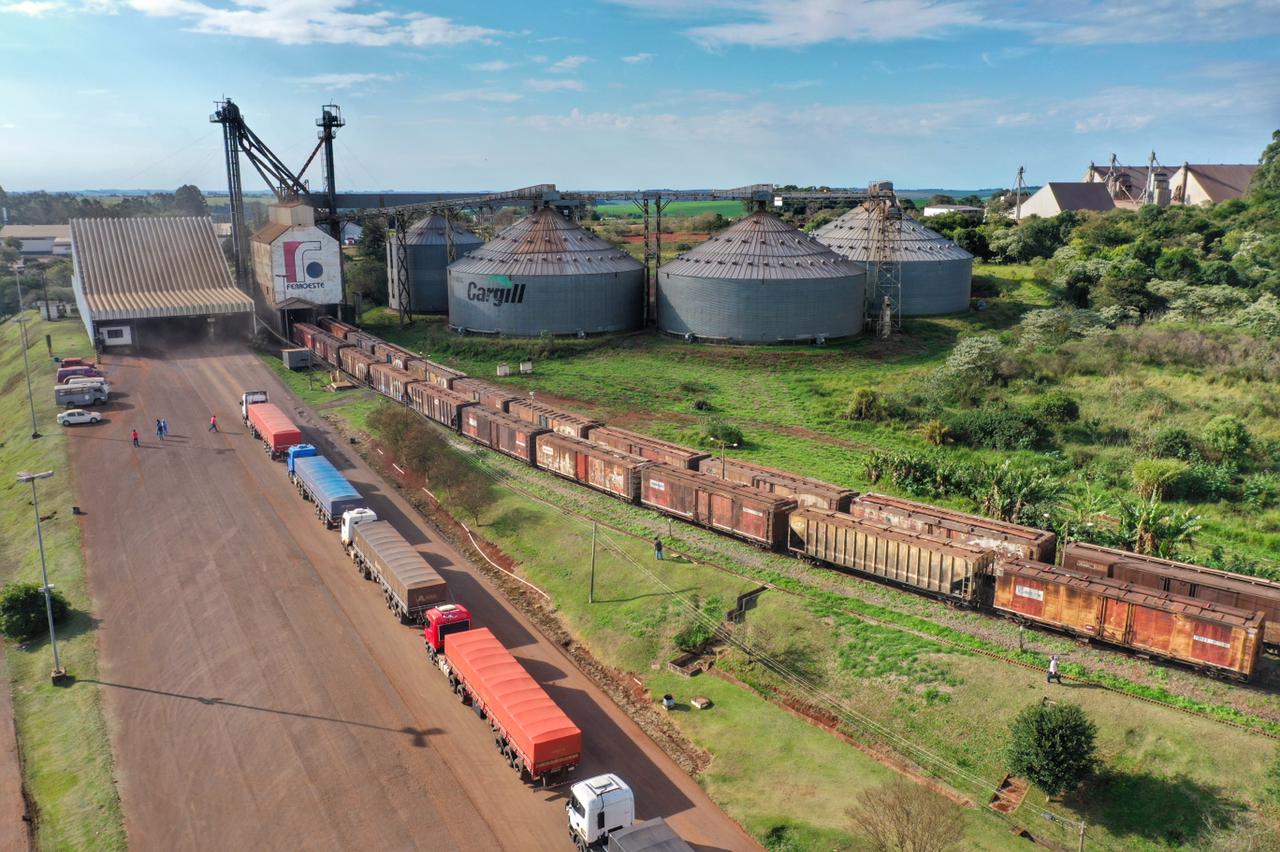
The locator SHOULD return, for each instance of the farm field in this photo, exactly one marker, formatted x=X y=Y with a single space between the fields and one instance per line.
x=727 y=209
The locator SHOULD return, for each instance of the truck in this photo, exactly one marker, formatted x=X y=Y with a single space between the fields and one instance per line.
x=78 y=396
x=409 y=585
x=274 y=428
x=247 y=399
x=602 y=816
x=531 y=732
x=441 y=622
x=318 y=480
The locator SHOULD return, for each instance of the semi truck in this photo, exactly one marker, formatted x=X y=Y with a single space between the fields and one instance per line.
x=531 y=732
x=273 y=427
x=319 y=481
x=247 y=399
x=602 y=816
x=409 y=585
x=78 y=396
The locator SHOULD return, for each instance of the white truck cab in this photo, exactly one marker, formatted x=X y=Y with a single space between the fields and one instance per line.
x=247 y=399
x=351 y=518
x=598 y=806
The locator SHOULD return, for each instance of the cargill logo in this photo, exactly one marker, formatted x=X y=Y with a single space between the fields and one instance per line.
x=499 y=290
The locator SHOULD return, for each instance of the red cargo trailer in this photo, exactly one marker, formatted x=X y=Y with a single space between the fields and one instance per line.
x=273 y=427
x=500 y=432
x=489 y=395
x=653 y=449
x=356 y=362
x=392 y=382
x=717 y=503
x=536 y=737
x=599 y=467
x=564 y=422
x=439 y=404
x=1009 y=540
x=813 y=493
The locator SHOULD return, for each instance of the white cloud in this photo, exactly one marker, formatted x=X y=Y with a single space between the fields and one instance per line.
x=569 y=64
x=555 y=85
x=1017 y=119
x=800 y=23
x=495 y=65
x=497 y=96
x=794 y=85
x=1153 y=21
x=637 y=58
x=31 y=8
x=342 y=81
x=8 y=125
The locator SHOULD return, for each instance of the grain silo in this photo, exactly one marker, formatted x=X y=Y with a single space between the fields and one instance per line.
x=427 y=250
x=546 y=275
x=761 y=281
x=935 y=272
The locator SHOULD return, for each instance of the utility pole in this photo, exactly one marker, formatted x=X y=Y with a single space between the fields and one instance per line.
x=26 y=364
x=1017 y=194
x=591 y=591
x=58 y=672
x=1081 y=846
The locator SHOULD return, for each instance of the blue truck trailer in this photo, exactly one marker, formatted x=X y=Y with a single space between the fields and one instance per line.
x=318 y=480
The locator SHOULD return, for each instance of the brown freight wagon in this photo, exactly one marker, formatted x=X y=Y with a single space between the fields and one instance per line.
x=564 y=422
x=716 y=503
x=500 y=432
x=923 y=562
x=336 y=327
x=439 y=404
x=390 y=381
x=1180 y=578
x=325 y=345
x=1210 y=636
x=1009 y=540
x=806 y=490
x=356 y=361
x=591 y=464
x=437 y=374
x=304 y=334
x=489 y=395
x=397 y=356
x=363 y=340
x=646 y=447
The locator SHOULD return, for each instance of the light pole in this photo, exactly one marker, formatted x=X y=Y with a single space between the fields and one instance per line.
x=58 y=672
x=26 y=365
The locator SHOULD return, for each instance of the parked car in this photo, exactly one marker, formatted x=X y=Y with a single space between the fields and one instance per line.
x=78 y=415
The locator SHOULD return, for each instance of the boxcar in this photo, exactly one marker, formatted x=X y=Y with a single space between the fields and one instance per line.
x=437 y=374
x=500 y=432
x=1210 y=636
x=807 y=491
x=564 y=422
x=336 y=327
x=1008 y=540
x=1180 y=578
x=716 y=503
x=489 y=395
x=924 y=562
x=322 y=343
x=438 y=404
x=646 y=447
x=591 y=464
x=356 y=361
x=304 y=334
x=363 y=340
x=392 y=382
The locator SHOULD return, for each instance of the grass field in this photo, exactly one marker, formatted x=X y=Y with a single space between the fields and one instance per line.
x=727 y=209
x=68 y=764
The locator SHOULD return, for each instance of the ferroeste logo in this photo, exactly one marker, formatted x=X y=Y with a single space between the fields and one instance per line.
x=302 y=266
x=499 y=290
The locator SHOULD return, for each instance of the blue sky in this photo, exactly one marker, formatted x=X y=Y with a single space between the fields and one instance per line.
x=600 y=94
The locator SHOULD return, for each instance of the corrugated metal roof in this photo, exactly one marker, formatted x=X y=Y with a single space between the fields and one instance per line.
x=762 y=246
x=1222 y=182
x=30 y=232
x=1080 y=196
x=153 y=267
x=431 y=232
x=269 y=233
x=545 y=243
x=850 y=236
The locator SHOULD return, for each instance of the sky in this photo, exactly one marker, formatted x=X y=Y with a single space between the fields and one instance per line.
x=622 y=94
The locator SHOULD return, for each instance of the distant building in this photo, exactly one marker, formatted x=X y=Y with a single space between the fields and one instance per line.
x=1133 y=186
x=944 y=209
x=1055 y=197
x=40 y=240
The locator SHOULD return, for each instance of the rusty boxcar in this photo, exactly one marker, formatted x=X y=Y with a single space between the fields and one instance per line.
x=328 y=346
x=806 y=490
x=1180 y=578
x=392 y=382
x=356 y=361
x=437 y=374
x=336 y=327
x=487 y=394
x=304 y=334
x=646 y=447
x=599 y=467
x=716 y=503
x=1009 y=540
x=362 y=340
x=1218 y=638
x=438 y=404
x=921 y=561
x=500 y=432
x=564 y=422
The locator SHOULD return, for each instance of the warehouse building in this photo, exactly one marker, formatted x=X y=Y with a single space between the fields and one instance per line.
x=936 y=274
x=39 y=241
x=135 y=279
x=431 y=244
x=761 y=281
x=297 y=266
x=1055 y=197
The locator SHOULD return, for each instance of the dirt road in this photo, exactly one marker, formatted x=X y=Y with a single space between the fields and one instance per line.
x=259 y=694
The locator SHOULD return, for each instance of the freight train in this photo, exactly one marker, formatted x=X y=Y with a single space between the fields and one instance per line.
x=1213 y=621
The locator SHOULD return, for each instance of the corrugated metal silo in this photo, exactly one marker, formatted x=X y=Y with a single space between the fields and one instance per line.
x=546 y=275
x=936 y=273
x=427 y=245
x=761 y=281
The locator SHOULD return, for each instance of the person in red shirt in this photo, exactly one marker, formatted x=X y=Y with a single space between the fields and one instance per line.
x=213 y=423
x=134 y=435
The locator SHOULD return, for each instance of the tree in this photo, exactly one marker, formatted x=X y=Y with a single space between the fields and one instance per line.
x=390 y=423
x=973 y=241
x=1052 y=746
x=22 y=610
x=903 y=816
x=971 y=365
x=1149 y=527
x=188 y=200
x=373 y=240
x=1228 y=435
x=471 y=493
x=1266 y=178
x=367 y=277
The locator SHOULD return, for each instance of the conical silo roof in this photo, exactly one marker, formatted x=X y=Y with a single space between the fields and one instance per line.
x=431 y=232
x=546 y=243
x=850 y=235
x=762 y=246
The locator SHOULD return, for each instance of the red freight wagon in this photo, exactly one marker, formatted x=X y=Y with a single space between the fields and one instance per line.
x=646 y=447
x=336 y=327
x=397 y=356
x=489 y=395
x=392 y=382
x=438 y=404
x=807 y=491
x=591 y=464
x=437 y=374
x=717 y=503
x=304 y=334
x=530 y=729
x=274 y=427
x=1011 y=540
x=500 y=432
x=554 y=419
x=356 y=362
x=363 y=340
x=1206 y=635
x=322 y=343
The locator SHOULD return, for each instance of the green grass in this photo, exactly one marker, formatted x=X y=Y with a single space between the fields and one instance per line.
x=727 y=209
x=68 y=766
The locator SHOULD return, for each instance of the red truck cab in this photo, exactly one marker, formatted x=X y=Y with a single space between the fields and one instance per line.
x=441 y=621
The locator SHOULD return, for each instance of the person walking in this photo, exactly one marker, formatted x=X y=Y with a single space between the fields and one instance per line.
x=1053 y=670
x=213 y=423
x=657 y=549
x=164 y=426
x=159 y=429
x=134 y=435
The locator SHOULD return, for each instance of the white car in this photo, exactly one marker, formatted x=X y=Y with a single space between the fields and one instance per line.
x=78 y=415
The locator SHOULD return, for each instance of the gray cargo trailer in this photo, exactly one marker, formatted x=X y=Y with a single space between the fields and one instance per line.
x=410 y=585
x=653 y=835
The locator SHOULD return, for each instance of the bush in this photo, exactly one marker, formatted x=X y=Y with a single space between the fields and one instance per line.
x=935 y=432
x=1204 y=483
x=1152 y=477
x=1173 y=443
x=693 y=636
x=1261 y=491
x=1052 y=746
x=724 y=433
x=22 y=611
x=999 y=429
x=1229 y=436
x=865 y=405
x=1056 y=406
x=973 y=364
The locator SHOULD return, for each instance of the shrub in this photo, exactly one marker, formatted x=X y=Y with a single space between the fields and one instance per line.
x=935 y=432
x=999 y=429
x=865 y=405
x=903 y=815
x=1151 y=477
x=721 y=432
x=1056 y=406
x=1204 y=483
x=693 y=636
x=1173 y=443
x=1228 y=435
x=22 y=612
x=701 y=405
x=973 y=363
x=1272 y=786
x=1261 y=490
x=1052 y=746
